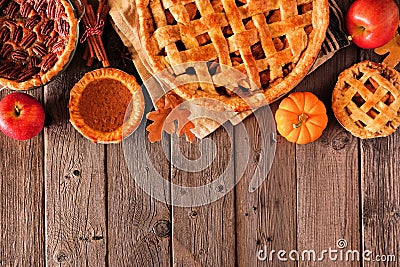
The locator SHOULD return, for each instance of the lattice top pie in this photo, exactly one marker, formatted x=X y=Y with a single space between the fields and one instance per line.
x=273 y=42
x=37 y=38
x=366 y=100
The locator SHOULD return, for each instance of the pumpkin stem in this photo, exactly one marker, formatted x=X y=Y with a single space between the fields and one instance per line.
x=302 y=119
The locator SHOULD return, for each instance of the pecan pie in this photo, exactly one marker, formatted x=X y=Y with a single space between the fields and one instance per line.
x=37 y=38
x=106 y=105
x=366 y=100
x=273 y=42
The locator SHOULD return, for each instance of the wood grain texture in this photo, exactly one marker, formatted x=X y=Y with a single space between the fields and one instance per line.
x=380 y=193
x=266 y=218
x=327 y=173
x=204 y=235
x=139 y=226
x=21 y=199
x=75 y=183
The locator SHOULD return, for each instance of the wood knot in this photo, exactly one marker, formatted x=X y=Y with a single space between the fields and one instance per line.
x=220 y=188
x=76 y=172
x=96 y=237
x=61 y=256
x=341 y=140
x=193 y=214
x=162 y=228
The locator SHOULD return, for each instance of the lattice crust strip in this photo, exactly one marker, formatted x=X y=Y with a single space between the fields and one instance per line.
x=366 y=100
x=274 y=43
x=200 y=28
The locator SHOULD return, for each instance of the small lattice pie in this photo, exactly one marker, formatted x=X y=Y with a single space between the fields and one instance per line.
x=366 y=100
x=274 y=43
x=37 y=39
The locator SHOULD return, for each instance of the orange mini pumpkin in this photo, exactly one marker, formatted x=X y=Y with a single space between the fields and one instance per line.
x=301 y=117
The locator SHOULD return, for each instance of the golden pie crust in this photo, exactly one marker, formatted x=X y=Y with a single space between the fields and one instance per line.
x=274 y=43
x=40 y=37
x=99 y=105
x=366 y=100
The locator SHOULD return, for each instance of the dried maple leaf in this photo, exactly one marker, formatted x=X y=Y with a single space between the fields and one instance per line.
x=155 y=129
x=186 y=130
x=393 y=47
x=163 y=119
x=181 y=116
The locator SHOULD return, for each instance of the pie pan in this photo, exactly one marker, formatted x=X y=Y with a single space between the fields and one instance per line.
x=37 y=43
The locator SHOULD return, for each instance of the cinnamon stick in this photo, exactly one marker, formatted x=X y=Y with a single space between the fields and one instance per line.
x=94 y=42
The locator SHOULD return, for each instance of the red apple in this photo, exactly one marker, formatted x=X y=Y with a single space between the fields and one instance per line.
x=21 y=116
x=372 y=23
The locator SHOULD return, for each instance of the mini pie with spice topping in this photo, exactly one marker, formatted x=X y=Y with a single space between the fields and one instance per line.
x=366 y=100
x=106 y=105
x=274 y=43
x=37 y=38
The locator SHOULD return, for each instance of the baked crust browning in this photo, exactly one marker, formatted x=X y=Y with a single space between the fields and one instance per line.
x=98 y=120
x=274 y=43
x=366 y=100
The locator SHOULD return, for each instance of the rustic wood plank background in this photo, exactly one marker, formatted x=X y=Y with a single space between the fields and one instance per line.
x=67 y=202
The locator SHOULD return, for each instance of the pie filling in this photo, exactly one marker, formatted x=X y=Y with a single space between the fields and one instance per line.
x=275 y=47
x=33 y=35
x=103 y=104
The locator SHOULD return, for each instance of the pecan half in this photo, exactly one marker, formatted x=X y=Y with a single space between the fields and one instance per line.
x=14 y=73
x=28 y=40
x=49 y=61
x=12 y=9
x=39 y=49
x=33 y=62
x=26 y=8
x=51 y=9
x=32 y=21
x=6 y=68
x=59 y=11
x=27 y=73
x=40 y=6
x=19 y=55
x=63 y=27
x=3 y=3
x=57 y=47
x=16 y=36
x=50 y=40
x=47 y=27
x=6 y=50
x=10 y=23
x=4 y=34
